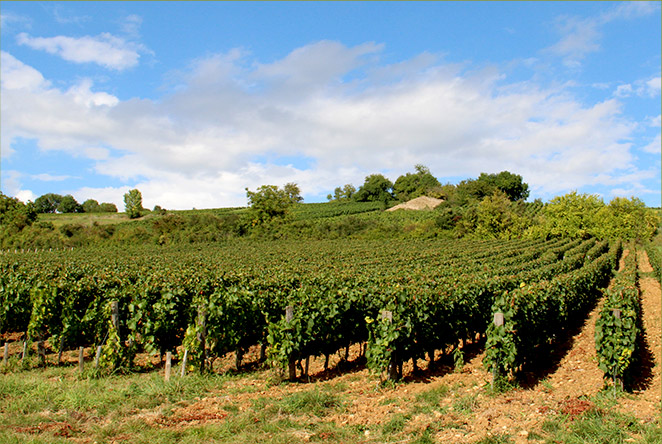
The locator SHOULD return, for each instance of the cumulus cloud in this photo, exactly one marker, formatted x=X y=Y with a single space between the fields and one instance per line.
x=232 y=122
x=14 y=187
x=105 y=49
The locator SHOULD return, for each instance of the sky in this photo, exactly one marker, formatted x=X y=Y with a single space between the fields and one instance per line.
x=193 y=102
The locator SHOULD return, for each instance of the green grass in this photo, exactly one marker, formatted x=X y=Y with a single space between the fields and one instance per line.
x=85 y=219
x=56 y=405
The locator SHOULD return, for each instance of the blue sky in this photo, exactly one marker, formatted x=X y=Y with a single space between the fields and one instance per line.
x=193 y=102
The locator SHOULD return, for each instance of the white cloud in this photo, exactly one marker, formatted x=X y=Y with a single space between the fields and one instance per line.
x=655 y=146
x=231 y=121
x=8 y=19
x=105 y=49
x=641 y=88
x=16 y=75
x=581 y=36
x=131 y=25
x=13 y=187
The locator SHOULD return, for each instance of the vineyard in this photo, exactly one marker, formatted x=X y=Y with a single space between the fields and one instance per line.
x=399 y=301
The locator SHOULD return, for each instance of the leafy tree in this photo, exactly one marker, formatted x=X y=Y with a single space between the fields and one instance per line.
x=626 y=219
x=14 y=214
x=342 y=193
x=376 y=188
x=91 y=206
x=509 y=183
x=269 y=201
x=293 y=192
x=499 y=218
x=107 y=208
x=69 y=205
x=133 y=203
x=572 y=215
x=47 y=203
x=414 y=185
x=477 y=189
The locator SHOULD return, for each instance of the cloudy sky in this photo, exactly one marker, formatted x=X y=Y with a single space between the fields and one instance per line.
x=193 y=102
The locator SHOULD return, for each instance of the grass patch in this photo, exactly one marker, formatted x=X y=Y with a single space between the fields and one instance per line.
x=396 y=424
x=316 y=402
x=466 y=404
x=495 y=439
x=598 y=426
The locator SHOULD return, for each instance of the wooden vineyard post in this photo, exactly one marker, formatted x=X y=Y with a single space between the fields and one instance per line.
x=498 y=322
x=25 y=350
x=5 y=354
x=202 y=338
x=183 y=370
x=97 y=357
x=393 y=364
x=41 y=352
x=291 y=365
x=168 y=366
x=81 y=359
x=115 y=315
x=618 y=382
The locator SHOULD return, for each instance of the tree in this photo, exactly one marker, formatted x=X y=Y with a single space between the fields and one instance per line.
x=342 y=193
x=133 y=203
x=376 y=188
x=14 y=214
x=91 y=206
x=293 y=192
x=572 y=215
x=417 y=184
x=269 y=201
x=47 y=203
x=69 y=205
x=626 y=219
x=509 y=183
x=477 y=189
x=107 y=208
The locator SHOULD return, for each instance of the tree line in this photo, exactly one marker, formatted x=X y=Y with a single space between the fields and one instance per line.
x=376 y=187
x=56 y=203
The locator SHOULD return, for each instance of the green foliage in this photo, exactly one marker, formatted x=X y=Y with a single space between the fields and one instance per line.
x=15 y=215
x=376 y=188
x=342 y=194
x=269 y=201
x=486 y=184
x=69 y=205
x=572 y=215
x=47 y=203
x=626 y=219
x=413 y=185
x=618 y=326
x=133 y=203
x=90 y=206
x=107 y=208
x=584 y=215
x=293 y=192
x=536 y=313
x=495 y=217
